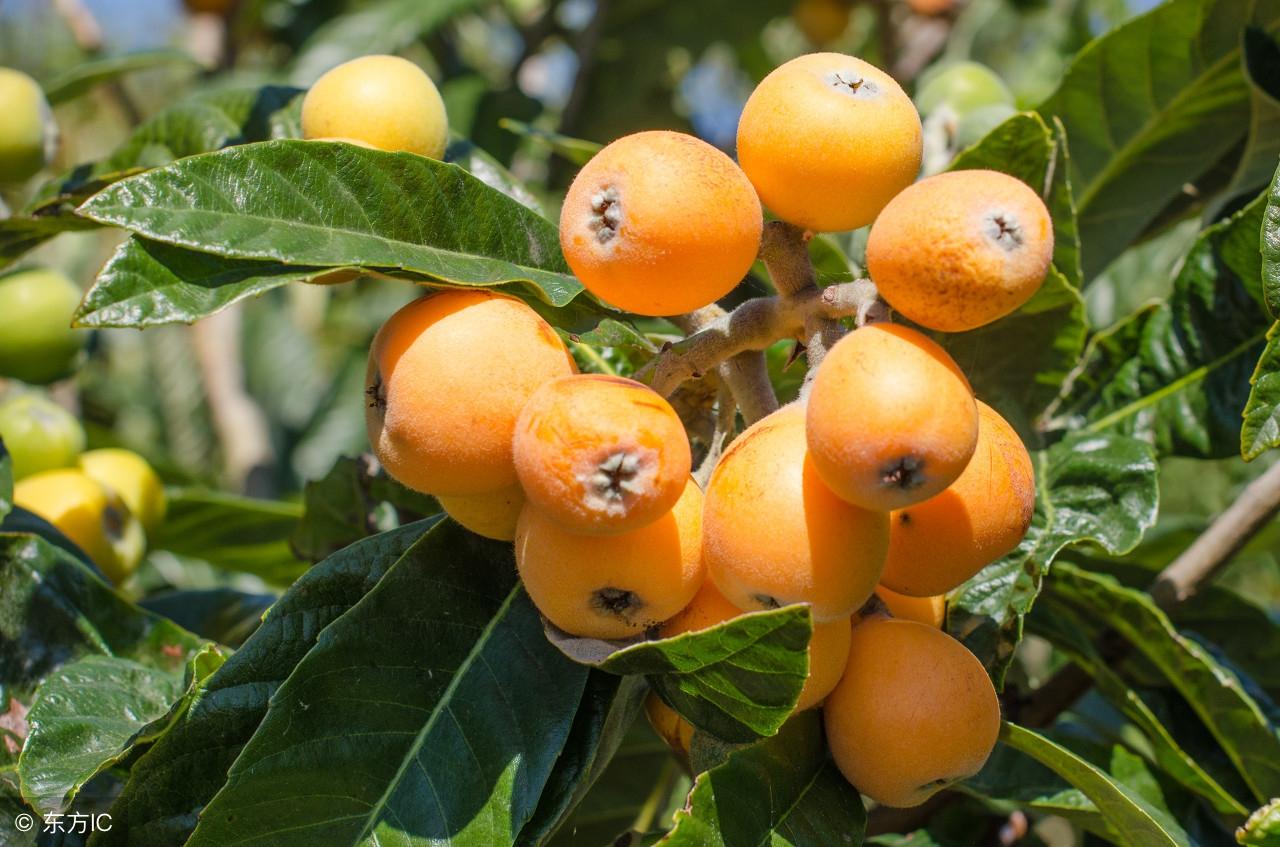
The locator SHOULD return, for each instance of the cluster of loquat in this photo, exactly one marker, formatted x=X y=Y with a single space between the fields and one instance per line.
x=888 y=478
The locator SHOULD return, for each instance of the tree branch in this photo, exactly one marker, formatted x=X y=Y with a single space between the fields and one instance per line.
x=718 y=335
x=742 y=370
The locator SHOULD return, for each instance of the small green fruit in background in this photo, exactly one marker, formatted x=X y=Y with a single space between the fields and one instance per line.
x=27 y=131
x=963 y=87
x=37 y=343
x=972 y=127
x=93 y=517
x=130 y=476
x=39 y=434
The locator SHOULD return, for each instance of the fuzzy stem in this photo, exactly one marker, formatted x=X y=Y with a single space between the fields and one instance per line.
x=742 y=370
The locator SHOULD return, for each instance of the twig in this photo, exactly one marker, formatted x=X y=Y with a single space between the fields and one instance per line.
x=755 y=325
x=1177 y=583
x=743 y=370
x=241 y=426
x=726 y=421
x=84 y=27
x=784 y=249
x=1219 y=544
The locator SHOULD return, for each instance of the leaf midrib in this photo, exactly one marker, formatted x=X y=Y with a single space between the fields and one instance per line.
x=441 y=707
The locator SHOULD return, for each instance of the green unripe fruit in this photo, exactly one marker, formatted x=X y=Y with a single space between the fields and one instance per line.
x=37 y=343
x=27 y=132
x=973 y=126
x=39 y=434
x=963 y=87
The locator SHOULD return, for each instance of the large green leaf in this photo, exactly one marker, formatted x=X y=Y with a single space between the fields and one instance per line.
x=1218 y=696
x=1177 y=373
x=583 y=787
x=434 y=710
x=1017 y=363
x=738 y=680
x=1261 y=428
x=176 y=777
x=385 y=26
x=1133 y=817
x=781 y=791
x=234 y=533
x=1060 y=625
x=53 y=608
x=337 y=205
x=94 y=712
x=78 y=79
x=1262 y=146
x=1270 y=239
x=146 y=283
x=1145 y=119
x=1099 y=488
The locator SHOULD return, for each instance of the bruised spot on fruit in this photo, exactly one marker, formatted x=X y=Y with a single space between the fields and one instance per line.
x=848 y=81
x=606 y=214
x=904 y=474
x=617 y=602
x=1004 y=229
x=904 y=518
x=766 y=601
x=621 y=477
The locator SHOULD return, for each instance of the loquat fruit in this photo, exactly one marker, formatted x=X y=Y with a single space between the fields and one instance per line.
x=960 y=249
x=612 y=586
x=827 y=140
x=660 y=223
x=775 y=534
x=448 y=375
x=492 y=514
x=892 y=419
x=913 y=713
x=601 y=454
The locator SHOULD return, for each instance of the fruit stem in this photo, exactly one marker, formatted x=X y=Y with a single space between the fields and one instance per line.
x=743 y=371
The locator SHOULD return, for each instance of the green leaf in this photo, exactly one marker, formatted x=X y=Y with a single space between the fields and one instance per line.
x=200 y=123
x=1262 y=146
x=92 y=714
x=233 y=533
x=177 y=776
x=1099 y=488
x=1176 y=374
x=224 y=615
x=53 y=608
x=1261 y=429
x=1271 y=253
x=20 y=234
x=1136 y=820
x=80 y=78
x=577 y=150
x=466 y=154
x=1218 y=696
x=582 y=787
x=780 y=791
x=1144 y=120
x=738 y=680
x=146 y=283
x=386 y=26
x=1262 y=829
x=355 y=499
x=434 y=709
x=460 y=231
x=1063 y=628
